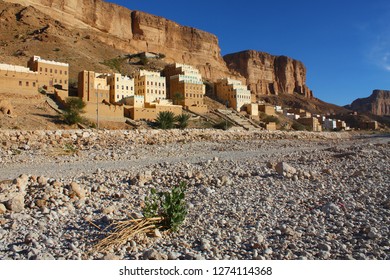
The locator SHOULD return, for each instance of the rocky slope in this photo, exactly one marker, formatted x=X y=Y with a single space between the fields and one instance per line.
x=378 y=103
x=268 y=74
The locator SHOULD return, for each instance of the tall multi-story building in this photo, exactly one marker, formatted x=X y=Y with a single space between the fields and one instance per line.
x=185 y=86
x=232 y=93
x=52 y=74
x=121 y=87
x=109 y=87
x=93 y=87
x=150 y=85
x=18 y=79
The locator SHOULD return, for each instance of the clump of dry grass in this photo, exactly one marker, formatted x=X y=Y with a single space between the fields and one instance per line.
x=125 y=230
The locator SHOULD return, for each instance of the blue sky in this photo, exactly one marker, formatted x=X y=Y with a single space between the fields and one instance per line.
x=344 y=44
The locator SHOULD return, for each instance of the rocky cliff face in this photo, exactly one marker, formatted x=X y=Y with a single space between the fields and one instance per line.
x=109 y=26
x=378 y=103
x=268 y=74
x=131 y=31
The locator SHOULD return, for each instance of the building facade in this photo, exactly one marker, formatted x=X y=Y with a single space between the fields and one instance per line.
x=18 y=80
x=52 y=74
x=232 y=93
x=121 y=87
x=93 y=87
x=185 y=87
x=151 y=86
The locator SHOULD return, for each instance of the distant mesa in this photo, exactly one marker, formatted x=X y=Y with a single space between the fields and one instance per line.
x=268 y=74
x=378 y=103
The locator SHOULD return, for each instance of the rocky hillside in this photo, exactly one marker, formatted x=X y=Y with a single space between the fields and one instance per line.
x=268 y=74
x=378 y=103
x=127 y=31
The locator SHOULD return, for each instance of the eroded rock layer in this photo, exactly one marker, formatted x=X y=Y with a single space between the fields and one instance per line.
x=268 y=74
x=378 y=103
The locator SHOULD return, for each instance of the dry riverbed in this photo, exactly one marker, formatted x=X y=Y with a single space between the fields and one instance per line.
x=329 y=200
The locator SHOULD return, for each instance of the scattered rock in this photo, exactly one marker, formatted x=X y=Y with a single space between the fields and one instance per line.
x=16 y=204
x=77 y=190
x=285 y=169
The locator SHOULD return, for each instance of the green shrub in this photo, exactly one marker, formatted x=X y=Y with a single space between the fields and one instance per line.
x=114 y=63
x=225 y=125
x=165 y=120
x=269 y=119
x=171 y=206
x=73 y=110
x=298 y=126
x=182 y=120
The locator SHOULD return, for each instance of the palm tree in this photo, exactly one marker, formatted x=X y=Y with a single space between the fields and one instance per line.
x=182 y=120
x=165 y=120
x=178 y=98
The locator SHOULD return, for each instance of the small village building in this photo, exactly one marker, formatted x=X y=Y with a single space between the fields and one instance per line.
x=18 y=79
x=312 y=123
x=121 y=87
x=232 y=93
x=267 y=109
x=52 y=74
x=185 y=87
x=150 y=85
x=330 y=124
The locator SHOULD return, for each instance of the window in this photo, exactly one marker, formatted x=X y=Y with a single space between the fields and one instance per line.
x=45 y=69
x=117 y=86
x=55 y=80
x=117 y=96
x=61 y=72
x=65 y=82
x=60 y=81
x=123 y=87
x=20 y=83
x=123 y=96
x=51 y=70
x=117 y=79
x=127 y=87
x=27 y=84
x=66 y=72
x=55 y=71
x=33 y=84
x=40 y=69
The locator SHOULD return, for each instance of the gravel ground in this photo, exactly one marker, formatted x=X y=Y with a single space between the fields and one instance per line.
x=328 y=198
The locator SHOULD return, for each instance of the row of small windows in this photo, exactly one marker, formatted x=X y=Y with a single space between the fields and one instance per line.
x=117 y=96
x=27 y=84
x=241 y=97
x=60 y=81
x=123 y=87
x=151 y=84
x=151 y=91
x=190 y=95
x=55 y=71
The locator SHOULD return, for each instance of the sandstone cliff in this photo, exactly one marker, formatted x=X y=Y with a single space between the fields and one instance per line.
x=268 y=74
x=112 y=29
x=378 y=103
x=133 y=31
